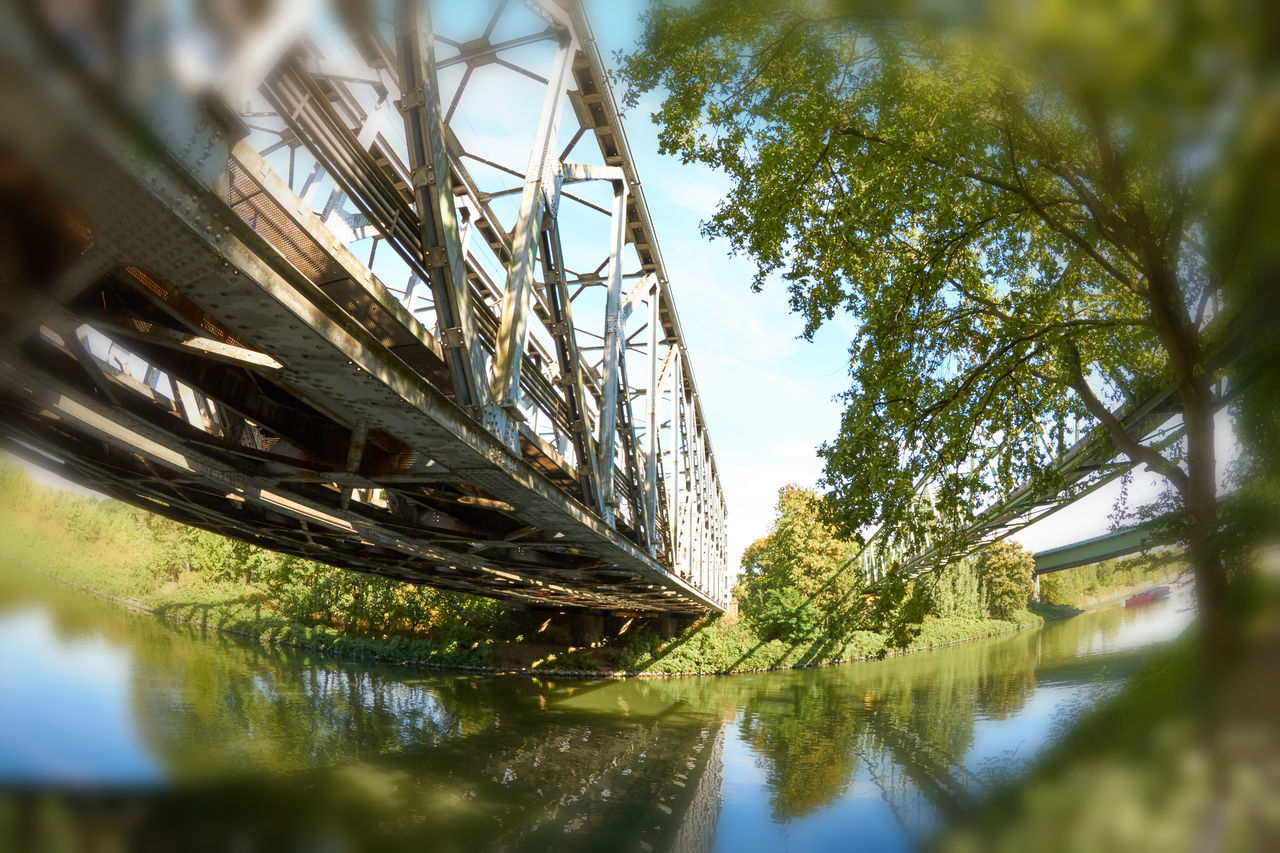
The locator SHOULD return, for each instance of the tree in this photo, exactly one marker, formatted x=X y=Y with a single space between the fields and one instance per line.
x=1005 y=570
x=792 y=586
x=1035 y=214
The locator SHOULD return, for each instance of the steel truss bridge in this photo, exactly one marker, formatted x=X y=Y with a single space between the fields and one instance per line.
x=1108 y=546
x=358 y=283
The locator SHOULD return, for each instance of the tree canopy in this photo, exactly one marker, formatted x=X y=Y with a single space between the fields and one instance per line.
x=1005 y=571
x=1034 y=214
x=792 y=585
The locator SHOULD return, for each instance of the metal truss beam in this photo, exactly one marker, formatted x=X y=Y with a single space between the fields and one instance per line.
x=437 y=213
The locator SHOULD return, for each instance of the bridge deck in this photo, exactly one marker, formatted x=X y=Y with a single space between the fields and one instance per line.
x=1118 y=543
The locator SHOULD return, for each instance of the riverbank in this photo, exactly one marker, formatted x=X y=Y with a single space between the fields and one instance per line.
x=1098 y=584
x=193 y=578
x=1117 y=595
x=717 y=648
x=31 y=543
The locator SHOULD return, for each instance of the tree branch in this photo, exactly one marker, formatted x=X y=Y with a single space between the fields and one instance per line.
x=1138 y=453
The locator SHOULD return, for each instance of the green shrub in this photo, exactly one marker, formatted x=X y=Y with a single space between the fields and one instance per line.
x=955 y=590
x=782 y=614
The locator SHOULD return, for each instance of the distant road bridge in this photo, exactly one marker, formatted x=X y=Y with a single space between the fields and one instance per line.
x=1108 y=546
x=1090 y=463
x=383 y=293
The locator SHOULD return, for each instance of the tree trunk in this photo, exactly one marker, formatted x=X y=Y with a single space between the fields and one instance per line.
x=1200 y=503
x=1199 y=487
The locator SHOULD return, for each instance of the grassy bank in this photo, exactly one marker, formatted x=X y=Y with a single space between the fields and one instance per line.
x=197 y=578
x=719 y=647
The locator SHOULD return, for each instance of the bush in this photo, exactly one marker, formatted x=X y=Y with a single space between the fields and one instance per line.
x=782 y=614
x=955 y=590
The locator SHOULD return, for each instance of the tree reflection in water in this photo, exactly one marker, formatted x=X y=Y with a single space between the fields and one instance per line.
x=807 y=738
x=266 y=749
x=908 y=721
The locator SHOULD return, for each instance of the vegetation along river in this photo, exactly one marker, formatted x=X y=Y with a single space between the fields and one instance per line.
x=114 y=725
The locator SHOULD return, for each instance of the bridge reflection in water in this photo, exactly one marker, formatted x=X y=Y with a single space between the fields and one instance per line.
x=240 y=746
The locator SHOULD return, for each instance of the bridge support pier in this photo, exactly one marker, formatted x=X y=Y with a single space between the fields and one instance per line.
x=574 y=627
x=587 y=628
x=1035 y=588
x=553 y=625
x=667 y=625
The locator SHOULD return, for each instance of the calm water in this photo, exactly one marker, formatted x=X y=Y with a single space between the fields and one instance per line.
x=166 y=738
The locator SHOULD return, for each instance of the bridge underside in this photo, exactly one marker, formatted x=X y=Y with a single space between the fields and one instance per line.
x=1120 y=543
x=287 y=400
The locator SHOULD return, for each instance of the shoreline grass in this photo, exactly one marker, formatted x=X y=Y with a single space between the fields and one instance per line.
x=197 y=579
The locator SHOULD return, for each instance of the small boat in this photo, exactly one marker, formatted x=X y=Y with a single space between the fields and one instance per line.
x=1158 y=594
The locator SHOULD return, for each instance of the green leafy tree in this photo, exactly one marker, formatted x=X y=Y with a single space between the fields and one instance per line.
x=793 y=584
x=955 y=591
x=1005 y=571
x=1035 y=214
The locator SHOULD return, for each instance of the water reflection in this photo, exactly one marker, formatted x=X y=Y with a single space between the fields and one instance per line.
x=807 y=740
x=906 y=725
x=115 y=726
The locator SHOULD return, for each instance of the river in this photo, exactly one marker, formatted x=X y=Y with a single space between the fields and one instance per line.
x=117 y=727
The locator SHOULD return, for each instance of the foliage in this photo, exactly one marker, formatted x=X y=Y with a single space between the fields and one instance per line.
x=955 y=590
x=898 y=609
x=1033 y=214
x=192 y=575
x=782 y=613
x=794 y=583
x=1005 y=570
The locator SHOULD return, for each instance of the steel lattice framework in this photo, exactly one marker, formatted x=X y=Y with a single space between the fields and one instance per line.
x=355 y=284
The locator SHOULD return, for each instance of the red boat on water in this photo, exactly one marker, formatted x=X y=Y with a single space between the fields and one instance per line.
x=1158 y=594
